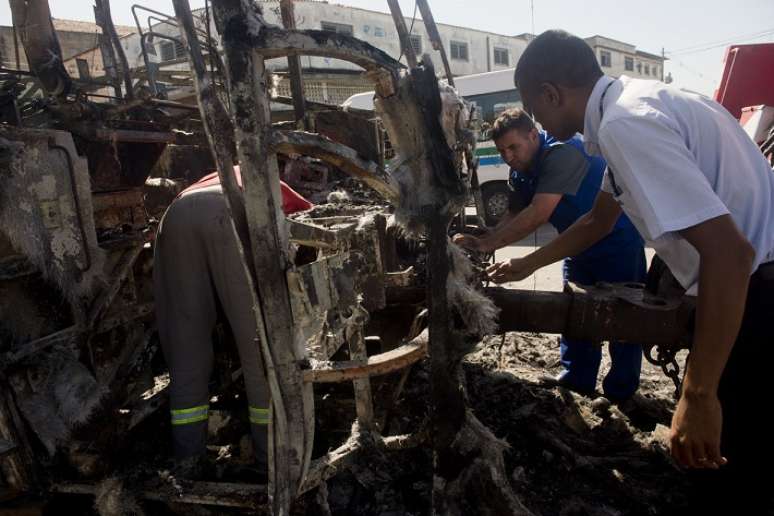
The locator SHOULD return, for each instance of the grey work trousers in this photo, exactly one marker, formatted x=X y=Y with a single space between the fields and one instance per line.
x=196 y=261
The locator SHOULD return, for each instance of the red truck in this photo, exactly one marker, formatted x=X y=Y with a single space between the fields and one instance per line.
x=747 y=90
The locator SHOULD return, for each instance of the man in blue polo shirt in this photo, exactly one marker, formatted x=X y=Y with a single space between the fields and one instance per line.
x=557 y=182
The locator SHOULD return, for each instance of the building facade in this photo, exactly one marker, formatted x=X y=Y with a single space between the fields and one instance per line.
x=331 y=81
x=76 y=38
x=469 y=51
x=618 y=58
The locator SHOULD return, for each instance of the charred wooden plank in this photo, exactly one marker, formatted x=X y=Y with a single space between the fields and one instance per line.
x=336 y=460
x=364 y=404
x=218 y=494
x=404 y=442
x=311 y=235
x=328 y=465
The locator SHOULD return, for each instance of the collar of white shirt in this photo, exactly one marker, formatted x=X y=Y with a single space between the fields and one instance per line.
x=592 y=119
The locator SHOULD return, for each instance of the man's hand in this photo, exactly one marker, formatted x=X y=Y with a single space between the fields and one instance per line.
x=695 y=435
x=515 y=269
x=467 y=241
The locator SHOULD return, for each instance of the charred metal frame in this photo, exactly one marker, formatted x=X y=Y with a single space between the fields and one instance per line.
x=293 y=300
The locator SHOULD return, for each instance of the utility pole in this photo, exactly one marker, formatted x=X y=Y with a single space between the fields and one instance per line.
x=663 y=60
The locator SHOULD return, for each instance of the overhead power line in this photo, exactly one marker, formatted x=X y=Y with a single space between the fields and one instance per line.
x=707 y=80
x=716 y=44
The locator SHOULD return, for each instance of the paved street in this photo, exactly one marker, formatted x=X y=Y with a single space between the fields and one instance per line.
x=548 y=278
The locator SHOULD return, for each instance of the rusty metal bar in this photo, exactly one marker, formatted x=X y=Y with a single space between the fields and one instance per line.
x=376 y=365
x=16 y=46
x=341 y=156
x=621 y=312
x=41 y=45
x=274 y=42
x=403 y=33
x=435 y=37
x=107 y=50
x=294 y=66
x=607 y=312
x=128 y=135
x=107 y=20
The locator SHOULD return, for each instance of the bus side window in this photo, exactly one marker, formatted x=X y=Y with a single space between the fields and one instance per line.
x=492 y=104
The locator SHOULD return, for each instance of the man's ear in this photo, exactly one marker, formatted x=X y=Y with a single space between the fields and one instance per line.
x=550 y=94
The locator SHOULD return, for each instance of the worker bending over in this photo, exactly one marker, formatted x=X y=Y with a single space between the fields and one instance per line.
x=196 y=268
x=557 y=182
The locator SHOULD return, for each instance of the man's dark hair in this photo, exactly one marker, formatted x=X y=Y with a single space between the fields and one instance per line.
x=512 y=119
x=557 y=57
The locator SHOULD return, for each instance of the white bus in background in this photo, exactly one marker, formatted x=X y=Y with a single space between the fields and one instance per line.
x=491 y=93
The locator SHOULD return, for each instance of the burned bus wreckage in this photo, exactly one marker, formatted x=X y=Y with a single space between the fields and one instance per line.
x=352 y=292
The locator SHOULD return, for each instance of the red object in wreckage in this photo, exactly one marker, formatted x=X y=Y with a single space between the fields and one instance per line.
x=292 y=201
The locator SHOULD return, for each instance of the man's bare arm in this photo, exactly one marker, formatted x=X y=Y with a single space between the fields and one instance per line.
x=724 y=272
x=513 y=227
x=522 y=224
x=587 y=231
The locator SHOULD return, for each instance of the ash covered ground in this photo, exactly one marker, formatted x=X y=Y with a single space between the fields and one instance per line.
x=570 y=455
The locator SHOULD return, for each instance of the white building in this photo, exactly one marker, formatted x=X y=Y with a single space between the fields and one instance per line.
x=470 y=51
x=618 y=58
x=332 y=81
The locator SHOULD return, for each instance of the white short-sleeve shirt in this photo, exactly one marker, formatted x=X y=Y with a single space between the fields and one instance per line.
x=676 y=160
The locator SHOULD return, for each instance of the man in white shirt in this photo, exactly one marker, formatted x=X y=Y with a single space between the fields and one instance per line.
x=702 y=195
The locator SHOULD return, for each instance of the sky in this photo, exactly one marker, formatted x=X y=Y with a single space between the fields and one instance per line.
x=693 y=33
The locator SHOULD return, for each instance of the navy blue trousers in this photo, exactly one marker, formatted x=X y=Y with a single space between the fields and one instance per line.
x=581 y=359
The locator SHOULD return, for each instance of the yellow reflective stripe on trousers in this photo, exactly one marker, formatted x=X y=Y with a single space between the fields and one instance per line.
x=190 y=415
x=259 y=416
